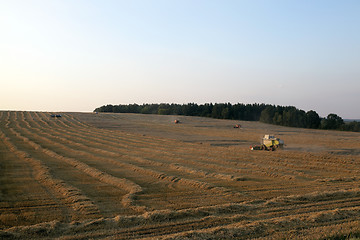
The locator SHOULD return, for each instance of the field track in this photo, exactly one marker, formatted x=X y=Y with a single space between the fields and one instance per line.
x=130 y=176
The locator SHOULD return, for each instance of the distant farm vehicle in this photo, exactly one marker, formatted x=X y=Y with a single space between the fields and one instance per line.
x=237 y=126
x=55 y=115
x=269 y=143
x=177 y=121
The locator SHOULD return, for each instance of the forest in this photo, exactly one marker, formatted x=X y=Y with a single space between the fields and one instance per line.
x=279 y=115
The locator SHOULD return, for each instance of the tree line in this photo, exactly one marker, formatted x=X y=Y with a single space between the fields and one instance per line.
x=279 y=115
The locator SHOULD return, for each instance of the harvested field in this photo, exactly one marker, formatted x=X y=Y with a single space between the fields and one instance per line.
x=131 y=176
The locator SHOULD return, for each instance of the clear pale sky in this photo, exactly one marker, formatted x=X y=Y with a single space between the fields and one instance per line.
x=73 y=55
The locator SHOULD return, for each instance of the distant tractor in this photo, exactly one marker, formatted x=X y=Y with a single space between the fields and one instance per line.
x=269 y=143
x=237 y=126
x=177 y=121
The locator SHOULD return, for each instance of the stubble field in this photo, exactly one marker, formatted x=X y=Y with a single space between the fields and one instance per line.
x=130 y=176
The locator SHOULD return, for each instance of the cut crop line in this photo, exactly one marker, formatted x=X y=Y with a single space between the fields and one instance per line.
x=55 y=135
x=275 y=172
x=116 y=147
x=131 y=187
x=71 y=195
x=172 y=166
x=113 y=136
x=140 y=160
x=159 y=148
x=240 y=219
x=276 y=224
x=152 y=173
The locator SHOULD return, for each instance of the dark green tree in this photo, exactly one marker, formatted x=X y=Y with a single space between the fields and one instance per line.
x=353 y=126
x=312 y=119
x=332 y=121
x=267 y=115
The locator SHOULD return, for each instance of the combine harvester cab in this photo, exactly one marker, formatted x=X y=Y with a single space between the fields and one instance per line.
x=269 y=143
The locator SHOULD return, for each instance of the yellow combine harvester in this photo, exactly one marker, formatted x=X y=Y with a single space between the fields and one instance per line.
x=269 y=143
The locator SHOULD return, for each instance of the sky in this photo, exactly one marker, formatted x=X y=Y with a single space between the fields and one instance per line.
x=77 y=55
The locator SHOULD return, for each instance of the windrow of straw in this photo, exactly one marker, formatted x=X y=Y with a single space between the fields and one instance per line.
x=114 y=146
x=239 y=225
x=72 y=196
x=315 y=197
x=127 y=185
x=146 y=171
x=277 y=227
x=229 y=213
x=267 y=171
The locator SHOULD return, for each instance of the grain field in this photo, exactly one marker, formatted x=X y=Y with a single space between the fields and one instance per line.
x=131 y=176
